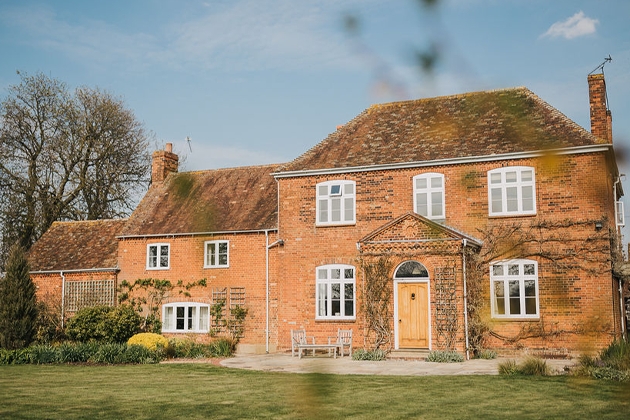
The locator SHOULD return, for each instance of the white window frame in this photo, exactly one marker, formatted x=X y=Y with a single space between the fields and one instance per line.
x=193 y=317
x=157 y=265
x=327 y=276
x=335 y=203
x=513 y=273
x=515 y=182
x=217 y=254
x=432 y=193
x=620 y=217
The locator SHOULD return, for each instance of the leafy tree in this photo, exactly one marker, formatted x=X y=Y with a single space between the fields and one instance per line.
x=65 y=156
x=18 y=307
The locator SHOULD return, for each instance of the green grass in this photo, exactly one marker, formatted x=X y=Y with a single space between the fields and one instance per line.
x=204 y=391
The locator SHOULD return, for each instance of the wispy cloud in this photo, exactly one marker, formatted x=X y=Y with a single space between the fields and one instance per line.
x=240 y=34
x=577 y=25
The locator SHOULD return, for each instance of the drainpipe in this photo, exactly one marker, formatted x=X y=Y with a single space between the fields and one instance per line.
x=464 y=241
x=268 y=247
x=63 y=298
x=267 y=291
x=621 y=305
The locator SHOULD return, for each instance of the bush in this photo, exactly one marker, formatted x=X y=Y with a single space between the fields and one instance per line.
x=375 y=355
x=187 y=349
x=151 y=341
x=442 y=356
x=98 y=353
x=617 y=355
x=613 y=363
x=486 y=354
x=508 y=368
x=532 y=366
x=18 y=307
x=104 y=323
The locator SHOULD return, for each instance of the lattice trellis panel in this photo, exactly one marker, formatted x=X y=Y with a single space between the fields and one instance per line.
x=219 y=295
x=237 y=296
x=81 y=294
x=445 y=307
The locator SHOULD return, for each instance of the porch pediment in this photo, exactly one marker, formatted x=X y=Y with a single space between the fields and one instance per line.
x=411 y=227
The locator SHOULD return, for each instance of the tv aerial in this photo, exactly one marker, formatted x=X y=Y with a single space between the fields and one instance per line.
x=189 y=144
x=601 y=66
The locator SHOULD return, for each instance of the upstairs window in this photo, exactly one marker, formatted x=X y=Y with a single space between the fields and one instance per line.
x=217 y=254
x=428 y=192
x=512 y=191
x=186 y=317
x=514 y=289
x=335 y=203
x=158 y=256
x=335 y=293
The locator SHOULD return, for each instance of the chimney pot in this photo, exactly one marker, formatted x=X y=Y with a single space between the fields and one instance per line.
x=169 y=147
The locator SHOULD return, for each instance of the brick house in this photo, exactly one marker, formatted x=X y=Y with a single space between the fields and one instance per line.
x=488 y=219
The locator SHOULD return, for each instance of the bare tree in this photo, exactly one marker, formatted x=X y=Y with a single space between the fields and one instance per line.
x=65 y=156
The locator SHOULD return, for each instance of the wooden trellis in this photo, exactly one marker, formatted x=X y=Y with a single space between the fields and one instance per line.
x=445 y=307
x=84 y=293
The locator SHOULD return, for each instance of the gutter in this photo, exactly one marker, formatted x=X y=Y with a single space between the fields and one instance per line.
x=174 y=235
x=450 y=161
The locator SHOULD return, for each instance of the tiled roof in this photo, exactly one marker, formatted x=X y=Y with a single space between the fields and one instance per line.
x=449 y=127
x=77 y=245
x=232 y=199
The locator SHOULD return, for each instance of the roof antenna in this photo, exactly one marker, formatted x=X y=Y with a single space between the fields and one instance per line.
x=601 y=66
x=188 y=141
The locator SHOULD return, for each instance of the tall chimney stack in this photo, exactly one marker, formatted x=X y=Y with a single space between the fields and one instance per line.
x=164 y=162
x=601 y=118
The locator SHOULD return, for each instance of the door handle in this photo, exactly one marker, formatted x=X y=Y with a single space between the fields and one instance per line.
x=400 y=320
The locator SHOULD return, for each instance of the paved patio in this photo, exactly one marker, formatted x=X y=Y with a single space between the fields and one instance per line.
x=282 y=362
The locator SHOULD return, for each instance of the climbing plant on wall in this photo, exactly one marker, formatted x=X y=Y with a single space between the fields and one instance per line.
x=376 y=303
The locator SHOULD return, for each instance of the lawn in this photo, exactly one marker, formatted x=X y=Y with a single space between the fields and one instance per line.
x=204 y=391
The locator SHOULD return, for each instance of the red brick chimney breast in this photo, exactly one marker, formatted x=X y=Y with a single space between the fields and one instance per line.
x=601 y=118
x=164 y=162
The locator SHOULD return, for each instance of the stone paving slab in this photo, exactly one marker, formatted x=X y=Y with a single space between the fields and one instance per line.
x=281 y=362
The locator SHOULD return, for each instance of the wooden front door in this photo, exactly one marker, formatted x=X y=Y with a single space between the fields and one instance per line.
x=413 y=315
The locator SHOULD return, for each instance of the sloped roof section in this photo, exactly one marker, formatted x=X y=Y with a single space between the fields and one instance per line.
x=468 y=125
x=232 y=199
x=82 y=245
x=413 y=227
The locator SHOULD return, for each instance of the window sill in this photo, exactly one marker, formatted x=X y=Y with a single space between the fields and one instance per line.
x=184 y=332
x=517 y=318
x=157 y=268
x=326 y=225
x=336 y=319
x=215 y=266
x=504 y=216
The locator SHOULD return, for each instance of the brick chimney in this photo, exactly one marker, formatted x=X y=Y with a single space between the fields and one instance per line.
x=601 y=118
x=164 y=162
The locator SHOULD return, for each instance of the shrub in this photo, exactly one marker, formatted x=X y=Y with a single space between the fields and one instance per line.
x=486 y=354
x=532 y=366
x=187 y=349
x=442 y=356
x=375 y=355
x=617 y=355
x=18 y=308
x=151 y=341
x=508 y=368
x=104 y=323
x=42 y=354
x=75 y=352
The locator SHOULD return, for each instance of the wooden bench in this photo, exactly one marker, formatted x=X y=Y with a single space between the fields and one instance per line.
x=300 y=342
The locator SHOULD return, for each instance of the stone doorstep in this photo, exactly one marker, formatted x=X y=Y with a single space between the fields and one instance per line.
x=408 y=354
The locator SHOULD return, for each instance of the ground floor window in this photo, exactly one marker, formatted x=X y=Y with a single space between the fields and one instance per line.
x=186 y=317
x=514 y=289
x=335 y=292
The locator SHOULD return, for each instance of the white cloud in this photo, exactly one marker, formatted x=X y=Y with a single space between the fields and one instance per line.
x=575 y=26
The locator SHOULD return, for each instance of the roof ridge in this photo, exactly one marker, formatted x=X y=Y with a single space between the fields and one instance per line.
x=229 y=168
x=122 y=219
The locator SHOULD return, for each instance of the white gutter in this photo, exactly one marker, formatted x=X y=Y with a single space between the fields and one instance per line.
x=450 y=161
x=173 y=235
x=465 y=298
x=76 y=270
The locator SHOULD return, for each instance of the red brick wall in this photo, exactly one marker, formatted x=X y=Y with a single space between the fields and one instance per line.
x=247 y=268
x=572 y=192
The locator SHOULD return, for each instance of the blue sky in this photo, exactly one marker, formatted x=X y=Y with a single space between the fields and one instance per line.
x=262 y=81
